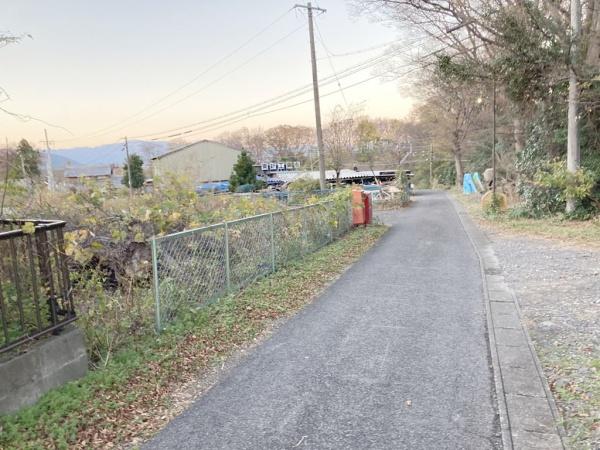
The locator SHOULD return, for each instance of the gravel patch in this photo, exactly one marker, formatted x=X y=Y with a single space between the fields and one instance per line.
x=558 y=287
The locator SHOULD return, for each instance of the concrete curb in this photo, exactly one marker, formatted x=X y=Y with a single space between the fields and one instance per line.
x=529 y=418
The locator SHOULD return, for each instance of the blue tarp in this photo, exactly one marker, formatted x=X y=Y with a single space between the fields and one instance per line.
x=218 y=186
x=468 y=185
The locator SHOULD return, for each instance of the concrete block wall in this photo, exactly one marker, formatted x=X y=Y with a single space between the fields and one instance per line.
x=50 y=363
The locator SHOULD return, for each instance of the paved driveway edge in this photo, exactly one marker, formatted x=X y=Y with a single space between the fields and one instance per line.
x=529 y=418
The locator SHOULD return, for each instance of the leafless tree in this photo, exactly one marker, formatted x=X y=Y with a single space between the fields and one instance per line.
x=252 y=140
x=450 y=111
x=339 y=138
x=289 y=142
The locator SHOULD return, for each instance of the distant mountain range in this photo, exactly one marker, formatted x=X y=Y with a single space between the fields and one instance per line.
x=105 y=154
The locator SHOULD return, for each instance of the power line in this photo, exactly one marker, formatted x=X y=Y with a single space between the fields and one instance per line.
x=359 y=51
x=328 y=53
x=233 y=120
x=217 y=126
x=351 y=70
x=356 y=68
x=28 y=118
x=194 y=79
x=251 y=112
x=214 y=81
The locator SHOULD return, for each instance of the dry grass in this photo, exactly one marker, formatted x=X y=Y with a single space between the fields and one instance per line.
x=581 y=233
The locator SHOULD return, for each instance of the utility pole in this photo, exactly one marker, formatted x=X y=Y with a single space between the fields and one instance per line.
x=128 y=167
x=49 y=171
x=431 y=166
x=315 y=78
x=494 y=138
x=573 y=151
x=5 y=180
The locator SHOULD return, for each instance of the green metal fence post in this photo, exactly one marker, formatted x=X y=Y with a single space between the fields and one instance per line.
x=272 y=243
x=329 y=210
x=156 y=286
x=304 y=232
x=227 y=266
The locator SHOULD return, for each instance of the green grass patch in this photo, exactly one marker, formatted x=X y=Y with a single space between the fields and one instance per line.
x=132 y=396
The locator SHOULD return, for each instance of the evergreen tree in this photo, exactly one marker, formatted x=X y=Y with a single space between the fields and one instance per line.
x=243 y=173
x=137 y=172
x=26 y=162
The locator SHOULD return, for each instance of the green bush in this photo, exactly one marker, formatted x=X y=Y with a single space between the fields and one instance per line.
x=304 y=184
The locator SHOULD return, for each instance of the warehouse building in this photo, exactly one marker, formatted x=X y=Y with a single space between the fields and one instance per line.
x=201 y=162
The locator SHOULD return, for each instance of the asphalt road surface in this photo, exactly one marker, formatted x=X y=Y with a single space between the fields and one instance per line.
x=393 y=355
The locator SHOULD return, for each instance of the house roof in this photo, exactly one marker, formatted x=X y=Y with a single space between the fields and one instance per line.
x=203 y=141
x=88 y=171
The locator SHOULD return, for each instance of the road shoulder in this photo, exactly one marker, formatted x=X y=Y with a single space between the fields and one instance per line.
x=528 y=415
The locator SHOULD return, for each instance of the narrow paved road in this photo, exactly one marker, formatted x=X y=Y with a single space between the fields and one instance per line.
x=394 y=355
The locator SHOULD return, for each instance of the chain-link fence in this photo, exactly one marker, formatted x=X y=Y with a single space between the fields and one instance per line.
x=193 y=267
x=292 y=198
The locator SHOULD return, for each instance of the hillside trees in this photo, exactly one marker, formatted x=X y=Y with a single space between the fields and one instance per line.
x=540 y=60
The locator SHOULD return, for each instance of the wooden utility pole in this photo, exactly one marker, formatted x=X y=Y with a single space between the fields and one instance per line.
x=128 y=167
x=49 y=171
x=315 y=78
x=431 y=166
x=5 y=180
x=573 y=151
x=494 y=138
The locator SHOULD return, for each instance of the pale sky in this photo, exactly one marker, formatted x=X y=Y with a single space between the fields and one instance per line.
x=98 y=68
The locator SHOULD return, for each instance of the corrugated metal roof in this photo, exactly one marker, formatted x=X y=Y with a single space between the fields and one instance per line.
x=345 y=174
x=88 y=171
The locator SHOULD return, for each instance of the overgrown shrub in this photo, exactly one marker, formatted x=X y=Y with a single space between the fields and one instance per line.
x=107 y=243
x=304 y=184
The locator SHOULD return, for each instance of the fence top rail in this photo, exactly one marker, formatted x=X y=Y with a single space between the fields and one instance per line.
x=39 y=225
x=229 y=222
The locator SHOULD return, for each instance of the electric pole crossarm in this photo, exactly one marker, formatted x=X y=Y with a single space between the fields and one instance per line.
x=309 y=7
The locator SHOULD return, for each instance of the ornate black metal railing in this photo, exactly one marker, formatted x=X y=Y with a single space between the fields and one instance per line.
x=35 y=290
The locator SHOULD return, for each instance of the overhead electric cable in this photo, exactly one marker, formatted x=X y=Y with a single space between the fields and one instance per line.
x=359 y=51
x=225 y=123
x=216 y=80
x=241 y=116
x=328 y=53
x=195 y=78
x=351 y=70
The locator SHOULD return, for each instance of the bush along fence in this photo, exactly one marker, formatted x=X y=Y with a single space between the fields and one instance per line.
x=35 y=291
x=193 y=267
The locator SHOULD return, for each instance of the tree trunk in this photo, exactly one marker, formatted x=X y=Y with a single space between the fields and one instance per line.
x=592 y=34
x=518 y=134
x=458 y=164
x=573 y=153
